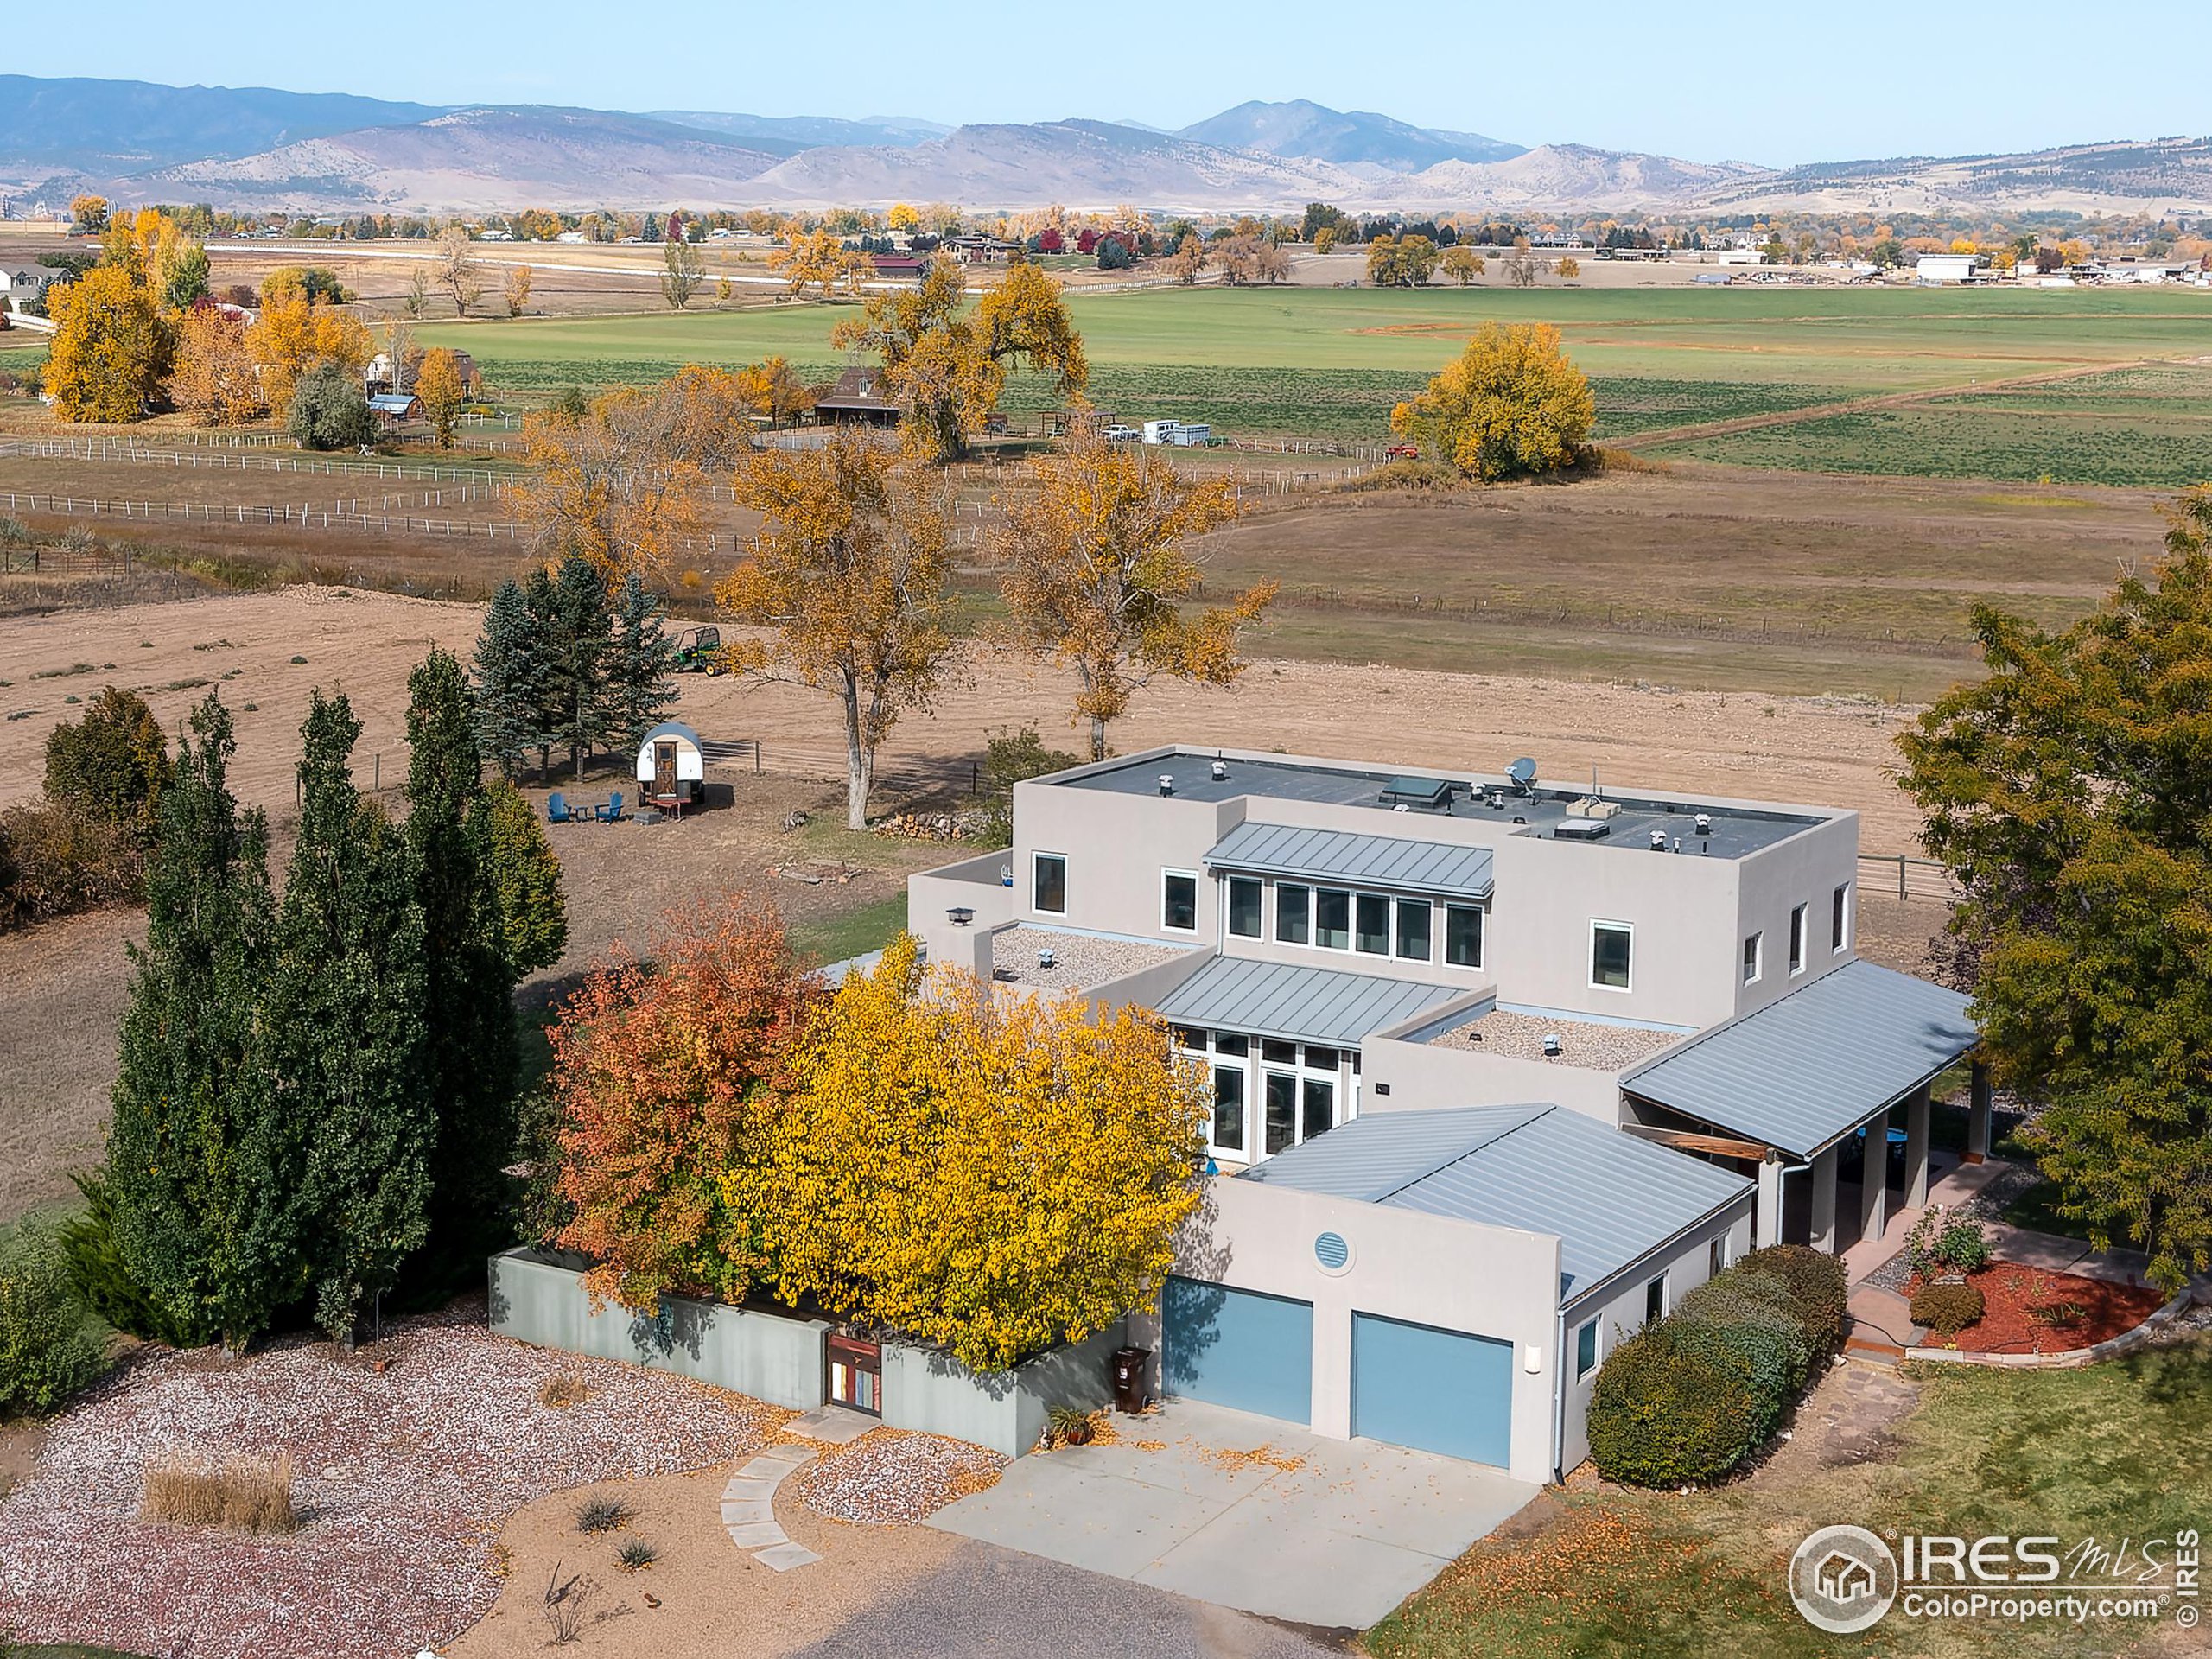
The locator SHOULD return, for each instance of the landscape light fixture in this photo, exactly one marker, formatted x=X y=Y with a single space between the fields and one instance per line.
x=960 y=915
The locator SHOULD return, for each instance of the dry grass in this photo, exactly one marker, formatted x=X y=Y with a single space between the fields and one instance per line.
x=561 y=1390
x=238 y=1494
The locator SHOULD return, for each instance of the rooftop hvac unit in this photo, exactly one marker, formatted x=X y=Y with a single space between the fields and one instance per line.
x=1658 y=840
x=1591 y=807
x=1582 y=830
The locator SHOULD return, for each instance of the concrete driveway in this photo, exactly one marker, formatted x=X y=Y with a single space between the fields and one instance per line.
x=1333 y=1534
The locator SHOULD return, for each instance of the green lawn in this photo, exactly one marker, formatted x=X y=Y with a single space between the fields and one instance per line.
x=854 y=932
x=2121 y=1450
x=1329 y=364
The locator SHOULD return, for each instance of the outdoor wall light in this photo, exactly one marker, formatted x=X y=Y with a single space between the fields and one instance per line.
x=1532 y=1360
x=960 y=915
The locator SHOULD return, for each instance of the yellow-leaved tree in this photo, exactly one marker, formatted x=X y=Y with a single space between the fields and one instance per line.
x=1511 y=404
x=111 y=346
x=992 y=1173
x=1098 y=565
x=609 y=484
x=438 y=386
x=817 y=259
x=1462 y=265
x=849 y=580
x=944 y=365
x=213 y=382
x=293 y=333
x=772 y=388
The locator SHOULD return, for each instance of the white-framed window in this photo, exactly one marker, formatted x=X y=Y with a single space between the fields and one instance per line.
x=1272 y=1093
x=1243 y=906
x=1798 y=940
x=1611 y=955
x=1414 y=919
x=1716 y=1256
x=1293 y=913
x=1371 y=929
x=1753 y=950
x=1655 y=1301
x=1178 y=901
x=1839 y=919
x=1333 y=918
x=1048 y=883
x=1586 y=1346
x=1462 y=935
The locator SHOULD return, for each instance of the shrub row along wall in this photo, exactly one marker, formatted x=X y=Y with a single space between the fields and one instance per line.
x=1688 y=1397
x=780 y=1357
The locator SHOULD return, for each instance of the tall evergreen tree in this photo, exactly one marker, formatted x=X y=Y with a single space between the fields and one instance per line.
x=507 y=669
x=204 y=1168
x=584 y=632
x=345 y=1027
x=471 y=1059
x=547 y=673
x=641 y=665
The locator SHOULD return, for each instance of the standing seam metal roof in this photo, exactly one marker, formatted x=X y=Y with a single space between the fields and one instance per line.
x=1609 y=1197
x=1275 y=999
x=1385 y=861
x=1806 y=1068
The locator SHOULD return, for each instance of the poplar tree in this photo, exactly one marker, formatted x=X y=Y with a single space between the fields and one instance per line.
x=640 y=667
x=506 y=674
x=345 y=1027
x=203 y=1175
x=470 y=1059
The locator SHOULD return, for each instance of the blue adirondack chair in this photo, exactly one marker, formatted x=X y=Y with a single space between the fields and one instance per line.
x=557 y=809
x=612 y=812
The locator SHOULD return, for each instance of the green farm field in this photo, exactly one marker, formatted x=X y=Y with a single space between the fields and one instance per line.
x=1329 y=364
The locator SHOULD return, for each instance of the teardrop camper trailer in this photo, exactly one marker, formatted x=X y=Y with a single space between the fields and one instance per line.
x=671 y=769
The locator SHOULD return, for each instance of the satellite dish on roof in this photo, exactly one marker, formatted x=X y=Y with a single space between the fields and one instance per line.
x=1523 y=773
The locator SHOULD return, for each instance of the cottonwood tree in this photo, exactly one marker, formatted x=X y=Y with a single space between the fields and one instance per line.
x=345 y=1028
x=1098 y=565
x=816 y=259
x=683 y=269
x=1401 y=261
x=214 y=382
x=994 y=1176
x=517 y=291
x=849 y=580
x=1248 y=260
x=1188 y=259
x=945 y=366
x=1462 y=265
x=297 y=334
x=457 y=269
x=611 y=484
x=1510 y=404
x=2070 y=791
x=203 y=1176
x=111 y=346
x=438 y=386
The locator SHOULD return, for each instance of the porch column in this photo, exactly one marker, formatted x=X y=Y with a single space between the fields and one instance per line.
x=1915 y=1149
x=1766 y=1218
x=1823 y=1234
x=1873 y=1180
x=1977 y=1117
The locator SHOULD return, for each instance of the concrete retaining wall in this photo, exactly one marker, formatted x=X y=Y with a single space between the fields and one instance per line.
x=934 y=1394
x=540 y=1299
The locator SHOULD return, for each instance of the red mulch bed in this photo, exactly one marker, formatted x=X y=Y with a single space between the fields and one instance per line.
x=2010 y=1293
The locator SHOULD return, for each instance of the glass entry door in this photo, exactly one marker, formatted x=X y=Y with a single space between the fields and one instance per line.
x=856 y=1377
x=1281 y=1111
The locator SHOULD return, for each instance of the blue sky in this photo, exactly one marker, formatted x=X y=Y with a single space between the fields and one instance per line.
x=1778 y=82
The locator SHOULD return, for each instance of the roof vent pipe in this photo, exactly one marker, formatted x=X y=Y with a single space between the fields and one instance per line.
x=1220 y=770
x=1167 y=782
x=1551 y=1045
x=1705 y=823
x=1658 y=840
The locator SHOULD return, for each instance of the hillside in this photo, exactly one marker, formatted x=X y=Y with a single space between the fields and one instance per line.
x=123 y=125
x=1303 y=129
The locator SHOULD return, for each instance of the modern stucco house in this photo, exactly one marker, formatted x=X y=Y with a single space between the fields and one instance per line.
x=1501 y=1067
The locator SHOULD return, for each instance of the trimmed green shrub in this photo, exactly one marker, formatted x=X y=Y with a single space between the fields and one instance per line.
x=48 y=1350
x=1745 y=1320
x=102 y=1282
x=1818 y=1290
x=329 y=411
x=1947 y=1309
x=1668 y=1411
x=111 y=765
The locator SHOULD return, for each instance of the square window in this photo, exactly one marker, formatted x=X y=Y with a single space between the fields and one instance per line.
x=1192 y=1038
x=1462 y=935
x=1294 y=918
x=1333 y=918
x=1798 y=940
x=1413 y=929
x=1585 y=1350
x=1839 y=917
x=1275 y=1051
x=1320 y=1060
x=1655 y=1300
x=1244 y=906
x=1320 y=1112
x=1609 y=956
x=1048 y=889
x=1178 y=901
x=1229 y=1108
x=1374 y=912
x=1751 y=958
x=1229 y=1042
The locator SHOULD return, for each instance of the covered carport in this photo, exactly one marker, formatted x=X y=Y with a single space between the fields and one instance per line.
x=1801 y=1091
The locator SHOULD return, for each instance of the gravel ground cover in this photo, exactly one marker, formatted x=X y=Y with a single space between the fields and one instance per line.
x=405 y=1478
x=889 y=1479
x=1079 y=960
x=1582 y=1043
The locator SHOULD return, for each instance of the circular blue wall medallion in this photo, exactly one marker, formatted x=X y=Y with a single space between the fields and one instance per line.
x=1331 y=1252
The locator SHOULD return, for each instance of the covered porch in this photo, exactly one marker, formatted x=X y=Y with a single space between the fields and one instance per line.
x=1824 y=1098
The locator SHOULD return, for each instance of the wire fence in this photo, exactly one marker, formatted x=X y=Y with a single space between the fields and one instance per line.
x=112 y=451
x=1914 y=878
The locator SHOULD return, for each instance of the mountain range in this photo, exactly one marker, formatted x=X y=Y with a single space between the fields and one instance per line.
x=267 y=149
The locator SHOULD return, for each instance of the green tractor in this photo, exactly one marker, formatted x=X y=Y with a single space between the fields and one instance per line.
x=699 y=650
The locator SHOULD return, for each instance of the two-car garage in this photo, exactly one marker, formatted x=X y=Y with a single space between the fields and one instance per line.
x=1412 y=1385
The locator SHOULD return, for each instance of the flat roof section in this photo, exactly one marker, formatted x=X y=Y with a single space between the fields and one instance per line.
x=1733 y=830
x=1816 y=1063
x=1312 y=1005
x=1608 y=1197
x=1079 y=961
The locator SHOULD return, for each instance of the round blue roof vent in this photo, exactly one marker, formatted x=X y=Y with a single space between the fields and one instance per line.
x=1331 y=1252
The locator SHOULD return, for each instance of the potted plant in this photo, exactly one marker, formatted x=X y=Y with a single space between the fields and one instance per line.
x=1069 y=1426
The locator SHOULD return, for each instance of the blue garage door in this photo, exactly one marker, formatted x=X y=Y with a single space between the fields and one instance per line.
x=1439 y=1390
x=1237 y=1348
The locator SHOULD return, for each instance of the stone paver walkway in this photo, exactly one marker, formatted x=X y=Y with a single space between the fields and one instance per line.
x=749 y=1500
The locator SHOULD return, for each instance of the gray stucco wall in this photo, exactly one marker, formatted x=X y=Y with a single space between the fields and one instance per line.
x=1423 y=1076
x=1806 y=869
x=931 y=1392
x=973 y=883
x=541 y=1302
